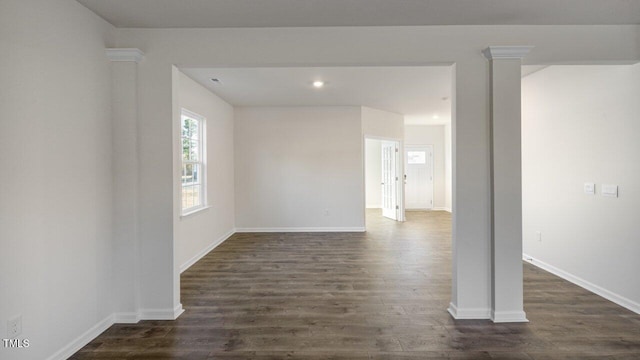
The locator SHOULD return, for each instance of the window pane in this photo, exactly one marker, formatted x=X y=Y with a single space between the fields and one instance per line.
x=187 y=177
x=194 y=154
x=192 y=149
x=416 y=157
x=190 y=128
x=195 y=133
x=186 y=148
x=196 y=173
x=196 y=196
x=189 y=196
x=186 y=127
x=185 y=197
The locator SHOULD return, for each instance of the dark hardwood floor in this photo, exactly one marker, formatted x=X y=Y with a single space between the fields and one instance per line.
x=382 y=294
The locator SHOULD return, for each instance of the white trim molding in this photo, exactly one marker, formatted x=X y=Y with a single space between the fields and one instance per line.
x=83 y=339
x=161 y=314
x=126 y=318
x=207 y=250
x=300 y=229
x=468 y=314
x=506 y=52
x=609 y=295
x=177 y=311
x=508 y=317
x=125 y=54
x=442 y=209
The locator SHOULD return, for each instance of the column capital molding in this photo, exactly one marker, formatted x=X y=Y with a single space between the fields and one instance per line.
x=506 y=52
x=124 y=54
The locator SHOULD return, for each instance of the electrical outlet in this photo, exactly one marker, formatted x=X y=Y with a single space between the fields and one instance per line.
x=539 y=236
x=14 y=327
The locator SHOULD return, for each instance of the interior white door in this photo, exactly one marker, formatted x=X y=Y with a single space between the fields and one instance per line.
x=419 y=178
x=389 y=180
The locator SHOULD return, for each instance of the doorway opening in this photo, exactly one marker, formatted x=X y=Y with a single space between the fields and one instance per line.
x=383 y=180
x=418 y=177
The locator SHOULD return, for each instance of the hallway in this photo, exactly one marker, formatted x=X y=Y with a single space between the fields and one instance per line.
x=382 y=294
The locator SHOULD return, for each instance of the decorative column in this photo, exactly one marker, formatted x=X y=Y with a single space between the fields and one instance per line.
x=124 y=97
x=506 y=182
x=471 y=226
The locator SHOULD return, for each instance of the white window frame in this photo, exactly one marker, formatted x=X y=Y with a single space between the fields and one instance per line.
x=201 y=164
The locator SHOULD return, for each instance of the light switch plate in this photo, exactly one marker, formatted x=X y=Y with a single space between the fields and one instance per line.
x=609 y=190
x=590 y=188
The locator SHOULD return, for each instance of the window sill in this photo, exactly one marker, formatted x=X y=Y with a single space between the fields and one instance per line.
x=193 y=212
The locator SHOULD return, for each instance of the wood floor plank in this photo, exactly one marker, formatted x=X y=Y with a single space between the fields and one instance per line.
x=382 y=294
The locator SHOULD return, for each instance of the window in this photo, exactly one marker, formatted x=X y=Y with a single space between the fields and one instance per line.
x=193 y=181
x=416 y=157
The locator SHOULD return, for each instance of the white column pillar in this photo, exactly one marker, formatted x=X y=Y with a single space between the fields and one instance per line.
x=506 y=182
x=471 y=243
x=124 y=99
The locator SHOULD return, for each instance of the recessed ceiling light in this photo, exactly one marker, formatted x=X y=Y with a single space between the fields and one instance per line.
x=318 y=84
x=436 y=117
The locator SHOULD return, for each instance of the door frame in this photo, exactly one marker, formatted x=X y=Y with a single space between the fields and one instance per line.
x=431 y=174
x=399 y=171
x=390 y=179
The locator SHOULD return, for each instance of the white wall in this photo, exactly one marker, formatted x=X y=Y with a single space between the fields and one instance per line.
x=431 y=135
x=367 y=46
x=56 y=177
x=580 y=124
x=382 y=124
x=448 y=160
x=200 y=232
x=299 y=168
x=373 y=173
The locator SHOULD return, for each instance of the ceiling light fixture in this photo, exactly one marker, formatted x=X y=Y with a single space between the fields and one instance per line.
x=436 y=117
x=318 y=84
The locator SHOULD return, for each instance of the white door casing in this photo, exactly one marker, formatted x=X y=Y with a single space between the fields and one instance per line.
x=389 y=180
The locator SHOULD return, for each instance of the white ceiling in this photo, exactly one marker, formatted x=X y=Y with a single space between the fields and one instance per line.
x=286 y=13
x=416 y=92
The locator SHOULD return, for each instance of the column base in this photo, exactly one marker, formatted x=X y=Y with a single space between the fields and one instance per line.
x=508 y=317
x=468 y=314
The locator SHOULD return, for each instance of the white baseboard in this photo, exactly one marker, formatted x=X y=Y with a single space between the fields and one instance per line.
x=126 y=318
x=432 y=209
x=207 y=250
x=82 y=340
x=161 y=314
x=301 y=229
x=508 y=317
x=609 y=295
x=104 y=324
x=177 y=311
x=468 y=314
